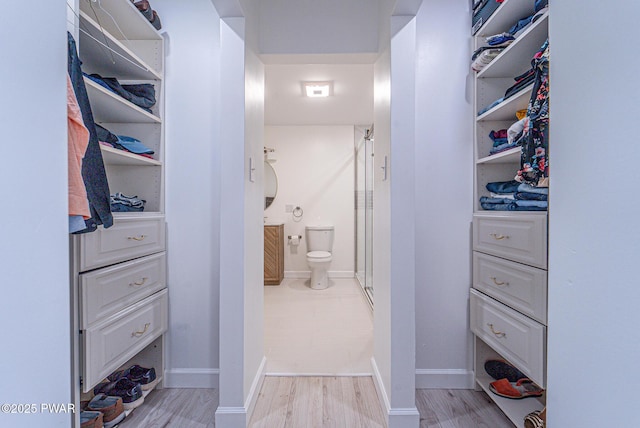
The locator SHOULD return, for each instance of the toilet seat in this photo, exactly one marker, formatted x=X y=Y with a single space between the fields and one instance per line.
x=318 y=254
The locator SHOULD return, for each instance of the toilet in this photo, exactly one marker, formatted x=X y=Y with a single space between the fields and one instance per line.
x=319 y=247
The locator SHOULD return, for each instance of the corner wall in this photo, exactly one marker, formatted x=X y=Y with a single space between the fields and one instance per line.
x=315 y=170
x=192 y=63
x=443 y=197
x=594 y=237
x=35 y=307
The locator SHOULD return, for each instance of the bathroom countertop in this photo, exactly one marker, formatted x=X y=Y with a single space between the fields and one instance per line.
x=273 y=224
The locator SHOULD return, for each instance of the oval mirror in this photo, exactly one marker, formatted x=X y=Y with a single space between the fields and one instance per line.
x=270 y=184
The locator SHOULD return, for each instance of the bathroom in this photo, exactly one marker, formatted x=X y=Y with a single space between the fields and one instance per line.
x=320 y=324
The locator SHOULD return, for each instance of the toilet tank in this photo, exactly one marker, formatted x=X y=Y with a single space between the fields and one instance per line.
x=319 y=238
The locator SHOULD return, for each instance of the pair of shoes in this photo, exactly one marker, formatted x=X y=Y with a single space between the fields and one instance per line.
x=112 y=409
x=144 y=376
x=510 y=382
x=536 y=419
x=130 y=392
x=90 y=419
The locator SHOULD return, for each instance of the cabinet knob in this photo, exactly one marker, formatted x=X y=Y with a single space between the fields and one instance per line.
x=138 y=283
x=137 y=238
x=140 y=333
x=498 y=236
x=497 y=333
x=499 y=284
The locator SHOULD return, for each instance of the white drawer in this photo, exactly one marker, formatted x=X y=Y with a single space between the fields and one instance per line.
x=105 y=291
x=522 y=237
x=522 y=287
x=109 y=344
x=517 y=338
x=128 y=238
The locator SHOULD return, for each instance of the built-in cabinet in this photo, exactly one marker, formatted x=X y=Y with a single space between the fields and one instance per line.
x=119 y=274
x=508 y=299
x=273 y=254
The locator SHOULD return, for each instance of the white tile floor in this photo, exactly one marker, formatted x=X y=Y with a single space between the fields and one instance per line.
x=328 y=332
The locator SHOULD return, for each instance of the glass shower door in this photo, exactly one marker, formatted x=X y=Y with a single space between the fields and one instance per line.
x=364 y=209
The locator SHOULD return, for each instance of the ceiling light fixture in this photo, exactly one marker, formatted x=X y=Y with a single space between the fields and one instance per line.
x=317 y=89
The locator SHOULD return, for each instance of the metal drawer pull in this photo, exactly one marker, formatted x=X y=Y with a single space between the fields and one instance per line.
x=138 y=284
x=498 y=237
x=137 y=238
x=140 y=333
x=497 y=333
x=499 y=284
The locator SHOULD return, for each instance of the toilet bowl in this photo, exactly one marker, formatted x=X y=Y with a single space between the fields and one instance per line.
x=319 y=246
x=319 y=262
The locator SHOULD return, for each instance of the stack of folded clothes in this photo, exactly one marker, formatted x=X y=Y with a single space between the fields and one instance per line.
x=142 y=94
x=514 y=196
x=124 y=203
x=123 y=142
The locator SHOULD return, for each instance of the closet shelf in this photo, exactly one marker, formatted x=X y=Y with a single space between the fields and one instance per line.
x=508 y=156
x=506 y=110
x=112 y=156
x=129 y=20
x=517 y=57
x=505 y=16
x=515 y=410
x=108 y=107
x=123 y=62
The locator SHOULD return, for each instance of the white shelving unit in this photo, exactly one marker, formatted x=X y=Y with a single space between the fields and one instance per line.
x=120 y=272
x=503 y=240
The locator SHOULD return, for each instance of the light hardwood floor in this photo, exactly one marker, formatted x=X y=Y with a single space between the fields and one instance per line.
x=317 y=402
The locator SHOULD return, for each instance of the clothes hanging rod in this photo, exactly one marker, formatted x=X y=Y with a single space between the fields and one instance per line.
x=103 y=44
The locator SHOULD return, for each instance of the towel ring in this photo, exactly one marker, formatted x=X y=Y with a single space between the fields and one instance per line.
x=297 y=212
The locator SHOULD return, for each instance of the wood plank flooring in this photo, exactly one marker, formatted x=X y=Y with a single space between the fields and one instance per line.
x=458 y=408
x=317 y=402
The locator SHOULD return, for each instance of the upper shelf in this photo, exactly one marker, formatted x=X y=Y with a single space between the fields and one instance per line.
x=120 y=61
x=120 y=18
x=108 y=107
x=506 y=110
x=506 y=15
x=517 y=57
x=508 y=156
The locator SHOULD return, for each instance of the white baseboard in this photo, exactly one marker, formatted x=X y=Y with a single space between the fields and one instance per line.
x=239 y=417
x=306 y=274
x=254 y=391
x=191 y=378
x=231 y=417
x=408 y=417
x=444 y=379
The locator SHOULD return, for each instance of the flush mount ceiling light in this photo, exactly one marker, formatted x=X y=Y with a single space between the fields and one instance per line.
x=316 y=89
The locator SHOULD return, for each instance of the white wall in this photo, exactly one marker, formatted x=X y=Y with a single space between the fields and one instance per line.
x=315 y=170
x=34 y=268
x=443 y=198
x=594 y=237
x=254 y=360
x=394 y=222
x=330 y=26
x=192 y=189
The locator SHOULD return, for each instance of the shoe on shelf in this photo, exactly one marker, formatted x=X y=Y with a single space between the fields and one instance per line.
x=111 y=408
x=144 y=376
x=90 y=419
x=130 y=392
x=500 y=369
x=536 y=419
x=523 y=388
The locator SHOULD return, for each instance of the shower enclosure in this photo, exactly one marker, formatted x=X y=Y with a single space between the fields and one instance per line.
x=364 y=208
